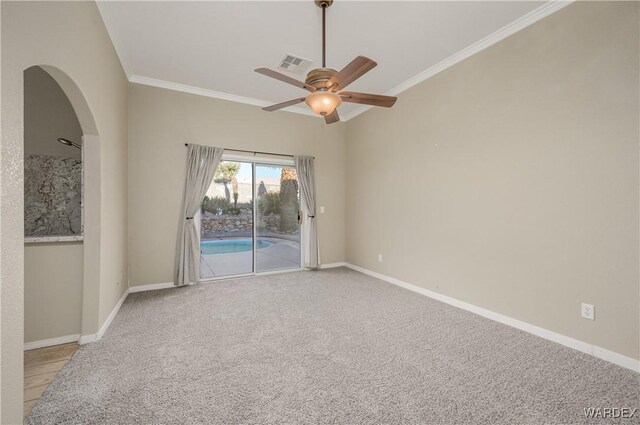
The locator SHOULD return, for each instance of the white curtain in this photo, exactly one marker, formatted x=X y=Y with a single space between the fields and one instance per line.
x=307 y=183
x=202 y=162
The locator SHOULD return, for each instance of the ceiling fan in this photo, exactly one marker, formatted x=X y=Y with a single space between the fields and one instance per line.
x=326 y=85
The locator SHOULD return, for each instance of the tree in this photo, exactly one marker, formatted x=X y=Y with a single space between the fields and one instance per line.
x=288 y=200
x=226 y=173
x=236 y=191
x=262 y=189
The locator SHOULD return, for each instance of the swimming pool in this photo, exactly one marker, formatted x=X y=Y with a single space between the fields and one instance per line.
x=230 y=246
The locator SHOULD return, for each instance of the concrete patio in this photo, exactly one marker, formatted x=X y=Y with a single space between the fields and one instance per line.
x=283 y=254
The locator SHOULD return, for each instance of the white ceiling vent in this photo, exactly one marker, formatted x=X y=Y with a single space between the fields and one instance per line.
x=294 y=64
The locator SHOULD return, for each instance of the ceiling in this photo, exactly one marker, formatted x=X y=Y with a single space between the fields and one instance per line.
x=212 y=48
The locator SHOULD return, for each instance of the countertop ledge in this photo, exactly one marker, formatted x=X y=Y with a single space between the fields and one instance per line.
x=51 y=239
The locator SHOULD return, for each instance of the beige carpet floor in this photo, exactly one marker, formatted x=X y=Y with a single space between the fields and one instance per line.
x=327 y=347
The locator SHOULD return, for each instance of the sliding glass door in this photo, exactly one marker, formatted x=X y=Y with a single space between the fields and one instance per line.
x=249 y=220
x=277 y=219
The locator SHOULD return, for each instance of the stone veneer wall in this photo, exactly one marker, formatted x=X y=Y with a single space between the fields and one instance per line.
x=238 y=223
x=52 y=196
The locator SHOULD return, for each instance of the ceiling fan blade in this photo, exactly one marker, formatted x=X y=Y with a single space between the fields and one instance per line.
x=283 y=104
x=285 y=78
x=347 y=75
x=332 y=117
x=368 y=99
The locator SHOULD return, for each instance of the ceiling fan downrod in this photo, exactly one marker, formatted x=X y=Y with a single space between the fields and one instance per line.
x=323 y=4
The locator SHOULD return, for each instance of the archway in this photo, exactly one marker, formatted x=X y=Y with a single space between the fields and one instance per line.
x=90 y=285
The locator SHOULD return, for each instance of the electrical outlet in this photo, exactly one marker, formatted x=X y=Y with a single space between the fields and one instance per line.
x=380 y=258
x=588 y=311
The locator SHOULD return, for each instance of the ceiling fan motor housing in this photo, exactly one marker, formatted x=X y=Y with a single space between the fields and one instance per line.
x=318 y=77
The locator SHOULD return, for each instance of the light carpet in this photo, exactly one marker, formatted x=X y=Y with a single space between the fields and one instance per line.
x=327 y=347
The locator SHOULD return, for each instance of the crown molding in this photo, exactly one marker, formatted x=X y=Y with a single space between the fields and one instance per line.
x=116 y=40
x=524 y=21
x=137 y=79
x=519 y=24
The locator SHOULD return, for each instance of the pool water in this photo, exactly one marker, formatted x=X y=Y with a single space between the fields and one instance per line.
x=230 y=246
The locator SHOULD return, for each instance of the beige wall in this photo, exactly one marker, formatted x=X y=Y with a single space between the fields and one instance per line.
x=71 y=37
x=161 y=121
x=510 y=181
x=52 y=290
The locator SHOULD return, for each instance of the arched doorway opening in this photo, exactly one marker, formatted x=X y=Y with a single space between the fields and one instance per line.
x=62 y=247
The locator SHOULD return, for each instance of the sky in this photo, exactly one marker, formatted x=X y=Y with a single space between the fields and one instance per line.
x=269 y=174
x=262 y=172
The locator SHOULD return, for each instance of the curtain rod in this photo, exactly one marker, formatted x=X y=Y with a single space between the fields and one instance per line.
x=256 y=152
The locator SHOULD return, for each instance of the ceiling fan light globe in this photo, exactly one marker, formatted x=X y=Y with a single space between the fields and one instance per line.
x=323 y=102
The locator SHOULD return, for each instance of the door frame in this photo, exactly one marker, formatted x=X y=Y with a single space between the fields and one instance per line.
x=257 y=160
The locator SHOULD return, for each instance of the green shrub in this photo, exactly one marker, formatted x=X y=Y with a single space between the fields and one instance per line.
x=212 y=204
x=269 y=203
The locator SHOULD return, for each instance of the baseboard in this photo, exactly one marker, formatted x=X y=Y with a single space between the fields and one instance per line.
x=151 y=287
x=333 y=265
x=51 y=341
x=87 y=338
x=594 y=350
